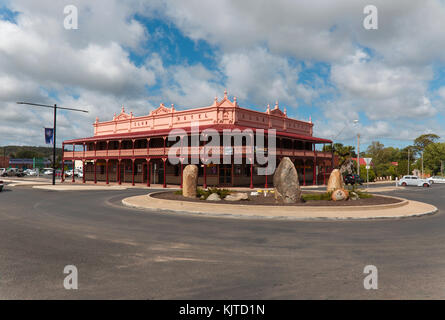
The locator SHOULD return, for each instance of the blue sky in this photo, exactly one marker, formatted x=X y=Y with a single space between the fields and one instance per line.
x=314 y=57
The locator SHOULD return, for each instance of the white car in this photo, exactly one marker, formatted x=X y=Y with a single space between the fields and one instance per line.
x=436 y=179
x=414 y=181
x=68 y=173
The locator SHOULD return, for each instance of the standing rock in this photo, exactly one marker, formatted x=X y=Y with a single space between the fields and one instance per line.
x=335 y=181
x=285 y=181
x=340 y=195
x=190 y=181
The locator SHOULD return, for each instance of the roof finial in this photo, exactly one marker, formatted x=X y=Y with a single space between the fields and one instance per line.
x=234 y=100
x=268 y=108
x=123 y=109
x=225 y=94
x=310 y=119
x=276 y=104
x=173 y=108
x=285 y=111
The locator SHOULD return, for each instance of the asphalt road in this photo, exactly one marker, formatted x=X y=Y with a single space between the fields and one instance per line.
x=124 y=253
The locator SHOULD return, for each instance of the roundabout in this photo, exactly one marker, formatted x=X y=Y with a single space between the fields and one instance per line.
x=399 y=208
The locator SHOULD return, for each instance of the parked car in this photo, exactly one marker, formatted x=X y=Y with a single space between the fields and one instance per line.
x=436 y=179
x=33 y=172
x=68 y=173
x=414 y=181
x=353 y=179
x=1 y=185
x=48 y=171
x=14 y=172
x=2 y=171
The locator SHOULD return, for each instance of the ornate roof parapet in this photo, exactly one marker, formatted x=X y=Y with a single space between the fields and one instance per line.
x=162 y=109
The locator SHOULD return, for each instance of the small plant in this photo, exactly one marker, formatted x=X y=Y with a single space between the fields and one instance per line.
x=204 y=193
x=179 y=192
x=363 y=195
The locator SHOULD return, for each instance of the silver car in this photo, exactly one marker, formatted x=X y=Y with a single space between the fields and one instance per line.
x=436 y=179
x=414 y=181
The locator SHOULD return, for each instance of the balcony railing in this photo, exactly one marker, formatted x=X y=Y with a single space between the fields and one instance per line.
x=129 y=153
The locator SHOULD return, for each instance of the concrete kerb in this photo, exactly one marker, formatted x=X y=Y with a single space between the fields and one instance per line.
x=78 y=188
x=403 y=209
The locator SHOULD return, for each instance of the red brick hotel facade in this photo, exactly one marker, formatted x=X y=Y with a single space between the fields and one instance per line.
x=130 y=149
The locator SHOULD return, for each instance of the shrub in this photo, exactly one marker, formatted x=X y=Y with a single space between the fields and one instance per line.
x=200 y=192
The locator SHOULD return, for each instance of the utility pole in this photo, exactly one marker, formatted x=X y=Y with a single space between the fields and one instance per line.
x=358 y=154
x=54 y=107
x=441 y=168
x=422 y=165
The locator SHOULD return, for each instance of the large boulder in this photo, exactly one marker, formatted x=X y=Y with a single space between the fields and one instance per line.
x=190 y=181
x=237 y=196
x=285 y=181
x=335 y=181
x=340 y=195
x=214 y=197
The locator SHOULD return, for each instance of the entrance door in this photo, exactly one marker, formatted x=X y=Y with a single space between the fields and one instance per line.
x=225 y=174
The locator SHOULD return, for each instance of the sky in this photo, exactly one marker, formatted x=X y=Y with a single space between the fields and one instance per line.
x=314 y=57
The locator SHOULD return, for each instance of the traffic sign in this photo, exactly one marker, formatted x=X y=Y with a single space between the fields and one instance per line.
x=368 y=161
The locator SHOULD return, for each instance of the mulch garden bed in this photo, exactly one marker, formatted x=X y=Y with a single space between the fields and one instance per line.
x=270 y=201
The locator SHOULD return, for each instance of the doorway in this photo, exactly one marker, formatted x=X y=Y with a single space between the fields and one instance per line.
x=225 y=174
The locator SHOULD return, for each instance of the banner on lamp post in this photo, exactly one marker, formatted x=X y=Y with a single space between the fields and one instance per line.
x=49 y=135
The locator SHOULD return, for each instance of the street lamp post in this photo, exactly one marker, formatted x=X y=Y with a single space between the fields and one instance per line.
x=54 y=107
x=358 y=149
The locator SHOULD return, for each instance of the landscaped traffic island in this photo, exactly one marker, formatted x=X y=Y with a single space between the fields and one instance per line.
x=267 y=198
x=285 y=201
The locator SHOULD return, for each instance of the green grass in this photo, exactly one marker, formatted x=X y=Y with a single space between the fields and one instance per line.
x=316 y=196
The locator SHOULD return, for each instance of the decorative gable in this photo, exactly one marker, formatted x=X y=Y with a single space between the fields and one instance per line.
x=122 y=115
x=162 y=109
x=276 y=111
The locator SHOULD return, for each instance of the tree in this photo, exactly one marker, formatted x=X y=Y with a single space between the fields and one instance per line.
x=433 y=154
x=343 y=152
x=363 y=174
x=422 y=141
